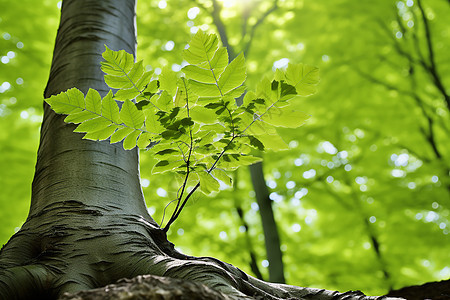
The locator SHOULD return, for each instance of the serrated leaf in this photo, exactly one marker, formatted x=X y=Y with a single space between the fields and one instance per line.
x=93 y=101
x=264 y=91
x=285 y=117
x=248 y=98
x=234 y=74
x=204 y=89
x=168 y=154
x=235 y=93
x=120 y=134
x=199 y=74
x=94 y=124
x=123 y=94
x=211 y=70
x=117 y=62
x=130 y=140
x=151 y=122
x=166 y=165
x=144 y=81
x=127 y=80
x=131 y=116
x=303 y=77
x=219 y=60
x=110 y=109
x=102 y=134
x=287 y=91
x=183 y=95
x=273 y=142
x=144 y=140
x=255 y=142
x=168 y=80
x=80 y=116
x=246 y=160
x=201 y=48
x=222 y=176
x=229 y=162
x=70 y=101
x=164 y=102
x=279 y=75
x=259 y=128
x=203 y=115
x=152 y=87
x=208 y=184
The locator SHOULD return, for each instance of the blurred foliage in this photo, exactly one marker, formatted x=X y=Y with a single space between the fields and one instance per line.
x=362 y=196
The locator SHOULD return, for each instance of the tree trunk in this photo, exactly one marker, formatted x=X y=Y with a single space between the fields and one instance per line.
x=271 y=236
x=88 y=224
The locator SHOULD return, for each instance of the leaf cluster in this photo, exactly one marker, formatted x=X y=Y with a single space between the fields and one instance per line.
x=191 y=123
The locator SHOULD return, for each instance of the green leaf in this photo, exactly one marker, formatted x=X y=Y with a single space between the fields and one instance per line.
x=101 y=134
x=79 y=117
x=110 y=109
x=166 y=165
x=67 y=102
x=168 y=80
x=144 y=81
x=120 y=134
x=285 y=117
x=203 y=115
x=130 y=141
x=229 y=162
x=222 y=176
x=131 y=116
x=124 y=94
x=201 y=48
x=127 y=80
x=246 y=160
x=255 y=142
x=248 y=98
x=94 y=124
x=272 y=142
x=260 y=128
x=234 y=75
x=165 y=101
x=264 y=90
x=144 y=140
x=208 y=184
x=167 y=153
x=93 y=102
x=151 y=122
x=117 y=62
x=211 y=71
x=204 y=89
x=279 y=75
x=199 y=74
x=303 y=77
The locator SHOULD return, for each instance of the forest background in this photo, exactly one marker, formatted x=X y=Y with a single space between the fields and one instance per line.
x=361 y=198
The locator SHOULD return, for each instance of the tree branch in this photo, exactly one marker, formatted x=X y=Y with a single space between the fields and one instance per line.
x=258 y=22
x=432 y=64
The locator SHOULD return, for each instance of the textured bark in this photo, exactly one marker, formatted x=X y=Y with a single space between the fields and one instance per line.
x=439 y=290
x=88 y=224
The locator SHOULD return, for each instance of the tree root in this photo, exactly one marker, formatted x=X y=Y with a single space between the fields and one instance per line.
x=59 y=251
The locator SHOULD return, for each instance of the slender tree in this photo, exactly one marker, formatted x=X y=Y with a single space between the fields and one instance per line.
x=88 y=225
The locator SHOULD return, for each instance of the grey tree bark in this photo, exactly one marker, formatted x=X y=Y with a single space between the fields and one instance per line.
x=88 y=224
